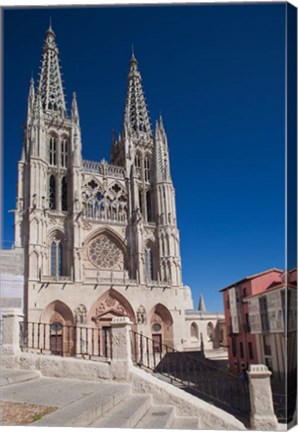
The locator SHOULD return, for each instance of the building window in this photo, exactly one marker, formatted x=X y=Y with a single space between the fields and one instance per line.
x=52 y=193
x=56 y=258
x=64 y=152
x=247 y=323
x=264 y=314
x=241 y=350
x=53 y=151
x=149 y=264
x=250 y=351
x=148 y=205
x=64 y=197
x=147 y=169
x=138 y=161
x=267 y=345
x=141 y=202
x=234 y=346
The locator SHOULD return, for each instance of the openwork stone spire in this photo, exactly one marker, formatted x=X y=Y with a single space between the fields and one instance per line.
x=50 y=83
x=136 y=117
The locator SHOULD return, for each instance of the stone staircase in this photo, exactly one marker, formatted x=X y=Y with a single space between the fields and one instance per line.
x=115 y=406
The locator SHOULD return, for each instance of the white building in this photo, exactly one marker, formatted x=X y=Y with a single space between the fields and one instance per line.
x=100 y=239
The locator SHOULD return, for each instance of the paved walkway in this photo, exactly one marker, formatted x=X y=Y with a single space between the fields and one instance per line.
x=18 y=386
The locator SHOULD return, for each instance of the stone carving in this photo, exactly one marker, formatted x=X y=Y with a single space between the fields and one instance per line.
x=87 y=226
x=141 y=315
x=110 y=303
x=81 y=314
x=104 y=253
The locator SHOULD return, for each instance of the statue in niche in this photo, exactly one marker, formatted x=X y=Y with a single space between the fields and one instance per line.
x=141 y=315
x=81 y=314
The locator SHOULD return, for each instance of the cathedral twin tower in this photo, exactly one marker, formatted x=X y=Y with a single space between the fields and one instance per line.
x=100 y=240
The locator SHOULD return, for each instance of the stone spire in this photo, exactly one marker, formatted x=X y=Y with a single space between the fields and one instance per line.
x=30 y=105
x=161 y=153
x=74 y=110
x=50 y=82
x=202 y=307
x=136 y=118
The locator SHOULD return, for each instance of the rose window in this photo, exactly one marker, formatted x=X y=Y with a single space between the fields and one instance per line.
x=104 y=253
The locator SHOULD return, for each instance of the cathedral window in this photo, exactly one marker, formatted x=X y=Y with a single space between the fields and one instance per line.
x=64 y=152
x=56 y=258
x=147 y=168
x=141 y=201
x=138 y=161
x=52 y=192
x=64 y=197
x=53 y=151
x=148 y=205
x=149 y=264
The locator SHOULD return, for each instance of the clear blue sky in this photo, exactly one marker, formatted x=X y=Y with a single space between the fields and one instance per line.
x=216 y=73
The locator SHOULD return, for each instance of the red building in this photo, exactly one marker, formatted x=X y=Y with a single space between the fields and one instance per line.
x=242 y=344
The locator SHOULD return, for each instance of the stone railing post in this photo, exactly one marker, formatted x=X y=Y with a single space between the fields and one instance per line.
x=121 y=347
x=262 y=415
x=11 y=331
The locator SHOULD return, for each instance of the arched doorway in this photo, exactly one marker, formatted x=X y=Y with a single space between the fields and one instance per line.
x=110 y=305
x=161 y=327
x=59 y=329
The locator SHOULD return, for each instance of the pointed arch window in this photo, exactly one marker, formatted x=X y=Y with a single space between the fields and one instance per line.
x=149 y=264
x=64 y=149
x=147 y=168
x=53 y=151
x=56 y=258
x=64 y=197
x=138 y=161
x=141 y=201
x=52 y=192
x=148 y=205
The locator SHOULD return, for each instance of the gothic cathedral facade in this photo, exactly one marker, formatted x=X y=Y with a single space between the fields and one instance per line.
x=100 y=239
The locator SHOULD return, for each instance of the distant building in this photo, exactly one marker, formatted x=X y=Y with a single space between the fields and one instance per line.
x=255 y=313
x=272 y=313
x=207 y=329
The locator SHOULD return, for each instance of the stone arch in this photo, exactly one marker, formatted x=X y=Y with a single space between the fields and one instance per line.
x=110 y=304
x=59 y=331
x=194 y=331
x=161 y=325
x=210 y=330
x=57 y=310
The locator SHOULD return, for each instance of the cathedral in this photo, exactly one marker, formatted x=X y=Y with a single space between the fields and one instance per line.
x=100 y=239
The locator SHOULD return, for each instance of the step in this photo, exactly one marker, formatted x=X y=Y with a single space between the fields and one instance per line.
x=84 y=411
x=189 y=423
x=157 y=417
x=126 y=414
x=13 y=376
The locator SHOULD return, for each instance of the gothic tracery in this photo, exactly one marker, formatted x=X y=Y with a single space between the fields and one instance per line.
x=104 y=253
